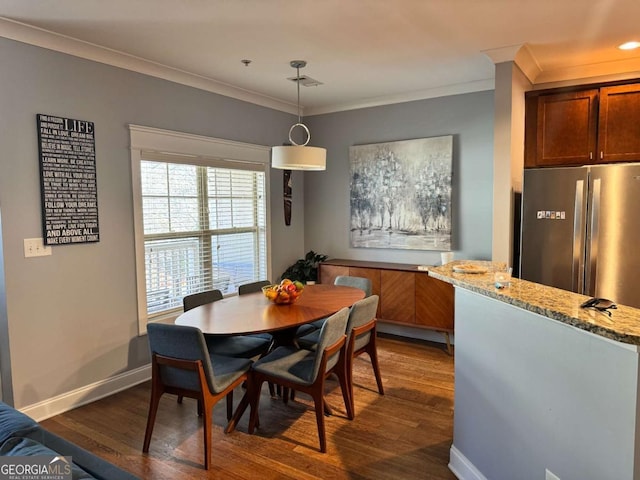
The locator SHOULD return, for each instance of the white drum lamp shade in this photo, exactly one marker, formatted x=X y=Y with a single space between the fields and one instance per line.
x=298 y=157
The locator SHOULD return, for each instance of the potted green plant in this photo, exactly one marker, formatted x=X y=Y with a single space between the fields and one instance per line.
x=305 y=270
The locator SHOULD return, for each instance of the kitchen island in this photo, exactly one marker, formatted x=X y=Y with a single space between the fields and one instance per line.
x=542 y=384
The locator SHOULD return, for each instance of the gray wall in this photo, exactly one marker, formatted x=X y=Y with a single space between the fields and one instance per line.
x=72 y=316
x=532 y=393
x=469 y=118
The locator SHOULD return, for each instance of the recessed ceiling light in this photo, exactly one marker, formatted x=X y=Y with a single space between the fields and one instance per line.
x=629 y=45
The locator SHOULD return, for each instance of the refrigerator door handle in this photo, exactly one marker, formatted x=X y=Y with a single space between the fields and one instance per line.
x=577 y=265
x=594 y=230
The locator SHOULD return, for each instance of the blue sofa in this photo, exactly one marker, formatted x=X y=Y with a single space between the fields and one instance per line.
x=20 y=435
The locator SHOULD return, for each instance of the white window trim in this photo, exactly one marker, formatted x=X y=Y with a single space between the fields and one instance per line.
x=204 y=150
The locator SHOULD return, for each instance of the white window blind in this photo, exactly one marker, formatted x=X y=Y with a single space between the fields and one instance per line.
x=201 y=217
x=204 y=228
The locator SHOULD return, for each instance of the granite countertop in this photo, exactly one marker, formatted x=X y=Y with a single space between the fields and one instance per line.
x=561 y=305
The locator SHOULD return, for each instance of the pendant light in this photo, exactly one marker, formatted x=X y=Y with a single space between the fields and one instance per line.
x=296 y=156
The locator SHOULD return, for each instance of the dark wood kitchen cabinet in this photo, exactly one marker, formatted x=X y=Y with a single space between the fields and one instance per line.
x=619 y=124
x=561 y=129
x=582 y=127
x=408 y=296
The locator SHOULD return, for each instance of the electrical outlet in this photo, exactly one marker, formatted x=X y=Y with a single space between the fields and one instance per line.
x=549 y=475
x=35 y=247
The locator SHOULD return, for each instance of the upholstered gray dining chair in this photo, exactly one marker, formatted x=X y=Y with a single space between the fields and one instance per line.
x=253 y=288
x=305 y=371
x=201 y=298
x=362 y=283
x=361 y=338
x=240 y=346
x=307 y=335
x=182 y=365
x=243 y=346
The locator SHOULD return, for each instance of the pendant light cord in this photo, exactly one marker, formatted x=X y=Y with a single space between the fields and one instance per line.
x=298 y=83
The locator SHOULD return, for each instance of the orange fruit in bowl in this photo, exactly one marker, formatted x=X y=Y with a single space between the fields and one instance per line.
x=284 y=293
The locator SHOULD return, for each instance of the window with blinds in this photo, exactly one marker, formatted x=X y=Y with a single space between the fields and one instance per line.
x=204 y=228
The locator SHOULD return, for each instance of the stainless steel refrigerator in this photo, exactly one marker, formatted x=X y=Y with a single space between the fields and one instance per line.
x=581 y=230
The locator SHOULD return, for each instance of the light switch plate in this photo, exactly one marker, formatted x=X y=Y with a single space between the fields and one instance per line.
x=35 y=247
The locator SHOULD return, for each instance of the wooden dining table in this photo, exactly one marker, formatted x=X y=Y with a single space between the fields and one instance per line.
x=254 y=313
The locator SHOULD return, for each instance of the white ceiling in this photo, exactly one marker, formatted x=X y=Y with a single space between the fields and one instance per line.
x=365 y=52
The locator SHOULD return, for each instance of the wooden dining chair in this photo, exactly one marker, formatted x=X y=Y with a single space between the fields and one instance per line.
x=255 y=287
x=181 y=364
x=201 y=298
x=242 y=346
x=361 y=338
x=307 y=335
x=306 y=371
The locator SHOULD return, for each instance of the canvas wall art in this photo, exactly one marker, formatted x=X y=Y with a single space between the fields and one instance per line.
x=401 y=194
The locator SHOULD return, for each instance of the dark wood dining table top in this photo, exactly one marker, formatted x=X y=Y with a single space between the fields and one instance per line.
x=254 y=313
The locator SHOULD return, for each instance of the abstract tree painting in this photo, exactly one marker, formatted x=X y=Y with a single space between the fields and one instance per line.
x=401 y=194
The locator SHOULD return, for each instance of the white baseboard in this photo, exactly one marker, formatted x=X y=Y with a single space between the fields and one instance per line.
x=462 y=467
x=87 y=394
x=413 y=332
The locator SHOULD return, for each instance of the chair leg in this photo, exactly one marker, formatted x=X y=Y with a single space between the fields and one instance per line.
x=207 y=414
x=151 y=418
x=255 y=386
x=318 y=400
x=349 y=373
x=272 y=390
x=327 y=408
x=180 y=399
x=229 y=405
x=242 y=406
x=373 y=354
x=343 y=378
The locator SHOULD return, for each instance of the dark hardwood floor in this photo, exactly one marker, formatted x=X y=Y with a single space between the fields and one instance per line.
x=405 y=434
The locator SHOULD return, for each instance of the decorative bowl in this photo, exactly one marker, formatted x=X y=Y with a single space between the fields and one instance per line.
x=284 y=293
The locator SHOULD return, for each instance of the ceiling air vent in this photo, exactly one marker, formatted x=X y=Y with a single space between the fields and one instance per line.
x=305 y=81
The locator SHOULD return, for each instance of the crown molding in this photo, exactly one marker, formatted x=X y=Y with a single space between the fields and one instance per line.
x=525 y=60
x=40 y=37
x=519 y=54
x=620 y=69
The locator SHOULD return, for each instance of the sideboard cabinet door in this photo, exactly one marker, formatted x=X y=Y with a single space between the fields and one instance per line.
x=328 y=273
x=398 y=302
x=434 y=303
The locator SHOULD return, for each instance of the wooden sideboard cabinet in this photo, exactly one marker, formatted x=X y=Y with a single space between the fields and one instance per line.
x=408 y=296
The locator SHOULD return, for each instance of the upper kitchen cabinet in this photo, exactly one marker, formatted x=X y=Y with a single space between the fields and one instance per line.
x=582 y=127
x=560 y=128
x=619 y=124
